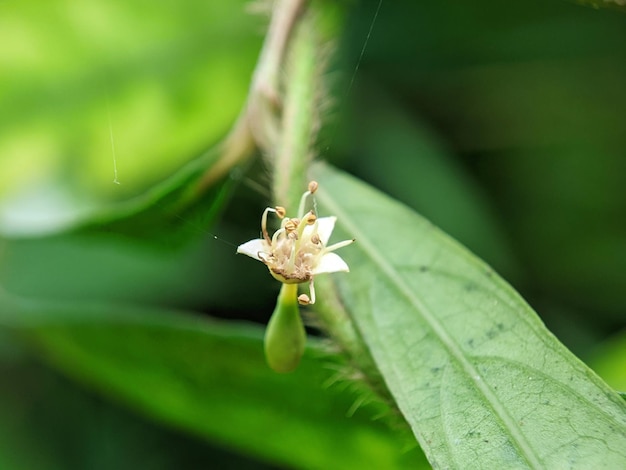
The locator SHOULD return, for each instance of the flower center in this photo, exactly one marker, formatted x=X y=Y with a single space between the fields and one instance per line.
x=294 y=249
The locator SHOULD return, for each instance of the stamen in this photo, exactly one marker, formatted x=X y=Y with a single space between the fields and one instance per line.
x=264 y=224
x=340 y=245
x=303 y=203
x=313 y=235
x=310 y=218
x=292 y=224
x=292 y=257
x=277 y=233
x=291 y=227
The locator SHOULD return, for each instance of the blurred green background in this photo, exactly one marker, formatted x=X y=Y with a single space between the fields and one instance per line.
x=502 y=122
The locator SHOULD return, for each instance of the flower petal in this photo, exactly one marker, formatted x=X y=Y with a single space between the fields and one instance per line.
x=325 y=226
x=253 y=248
x=331 y=263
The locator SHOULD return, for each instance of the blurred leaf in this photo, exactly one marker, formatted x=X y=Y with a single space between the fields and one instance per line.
x=569 y=215
x=97 y=91
x=47 y=422
x=456 y=38
x=619 y=5
x=608 y=361
x=476 y=374
x=108 y=267
x=528 y=96
x=151 y=269
x=403 y=157
x=171 y=212
x=211 y=379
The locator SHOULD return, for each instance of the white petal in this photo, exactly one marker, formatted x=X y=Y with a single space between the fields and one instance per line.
x=253 y=248
x=325 y=226
x=331 y=263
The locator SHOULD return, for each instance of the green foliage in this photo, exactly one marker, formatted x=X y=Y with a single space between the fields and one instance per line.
x=499 y=123
x=109 y=91
x=70 y=427
x=608 y=361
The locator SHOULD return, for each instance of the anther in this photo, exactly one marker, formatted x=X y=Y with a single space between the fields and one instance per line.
x=292 y=225
x=313 y=187
x=280 y=211
x=303 y=299
x=310 y=218
x=315 y=239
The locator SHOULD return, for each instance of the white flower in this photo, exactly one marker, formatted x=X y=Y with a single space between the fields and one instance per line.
x=297 y=251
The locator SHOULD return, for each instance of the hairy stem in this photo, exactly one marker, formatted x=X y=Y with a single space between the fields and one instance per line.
x=291 y=157
x=299 y=118
x=264 y=101
x=257 y=124
x=283 y=115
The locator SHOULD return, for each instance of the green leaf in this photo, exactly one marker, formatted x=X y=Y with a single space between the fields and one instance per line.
x=106 y=267
x=476 y=374
x=170 y=213
x=618 y=5
x=210 y=378
x=110 y=91
x=608 y=361
x=47 y=422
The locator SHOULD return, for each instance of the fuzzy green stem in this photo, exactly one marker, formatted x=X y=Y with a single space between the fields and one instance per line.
x=266 y=76
x=287 y=135
x=257 y=123
x=262 y=113
x=291 y=159
x=299 y=118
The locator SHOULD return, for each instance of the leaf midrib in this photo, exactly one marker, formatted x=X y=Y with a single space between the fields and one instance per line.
x=451 y=346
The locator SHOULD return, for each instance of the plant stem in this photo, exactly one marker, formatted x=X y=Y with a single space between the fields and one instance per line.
x=257 y=124
x=291 y=157
x=264 y=102
x=283 y=115
x=299 y=121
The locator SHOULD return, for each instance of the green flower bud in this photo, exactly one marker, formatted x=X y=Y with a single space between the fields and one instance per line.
x=285 y=337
